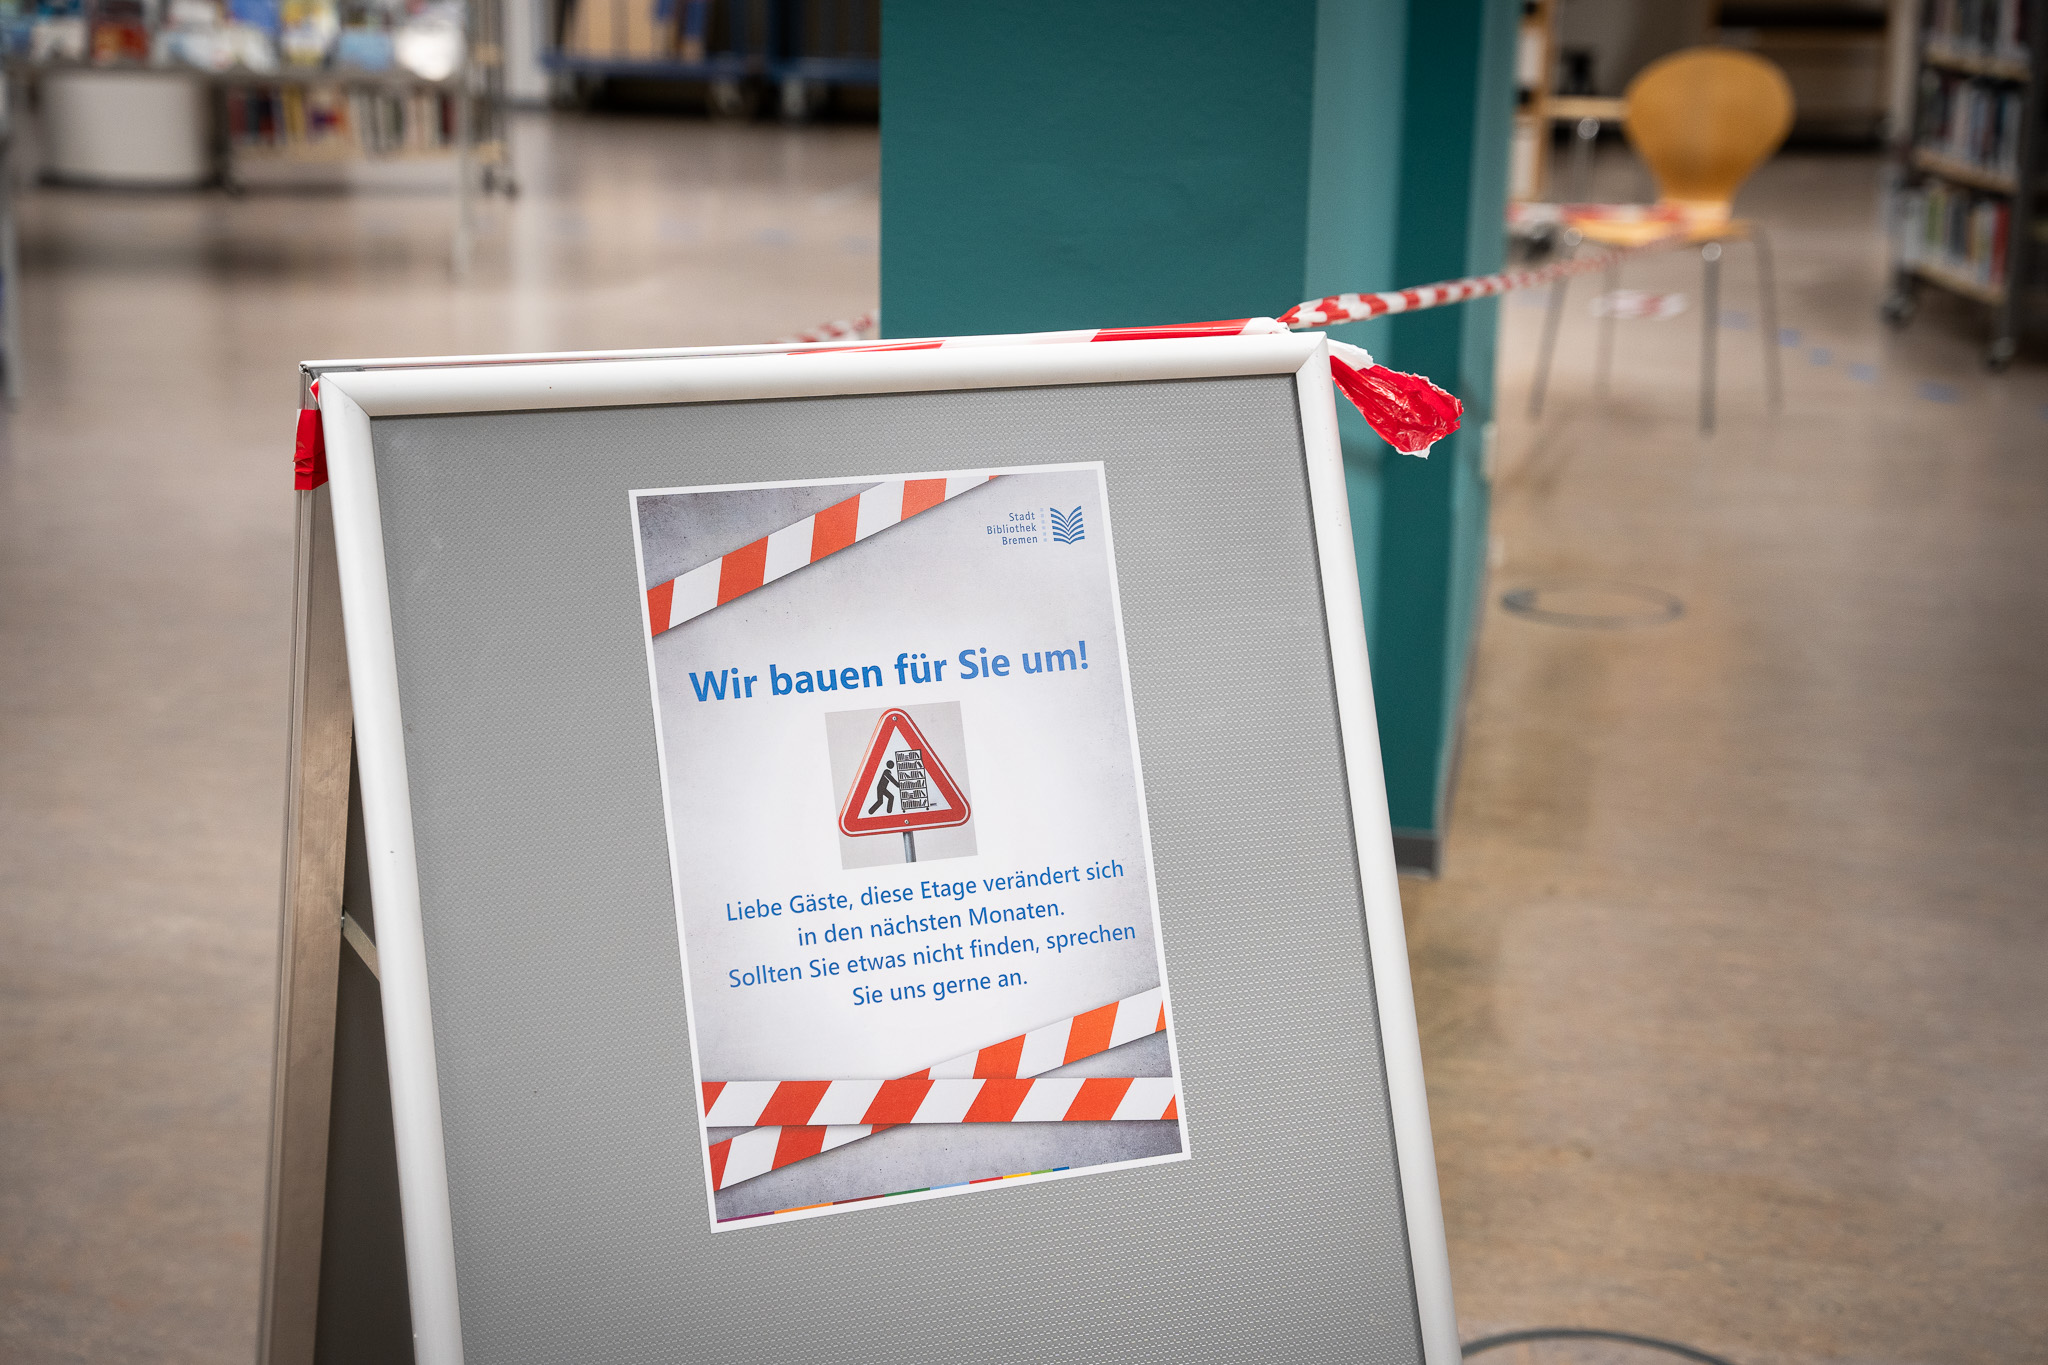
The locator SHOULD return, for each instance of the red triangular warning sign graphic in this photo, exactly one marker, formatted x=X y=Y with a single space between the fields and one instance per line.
x=902 y=784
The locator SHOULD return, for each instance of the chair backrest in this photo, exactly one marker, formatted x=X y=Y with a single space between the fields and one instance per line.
x=1703 y=119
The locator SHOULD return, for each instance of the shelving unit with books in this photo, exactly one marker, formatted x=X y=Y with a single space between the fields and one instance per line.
x=291 y=81
x=336 y=116
x=306 y=81
x=1967 y=217
x=1835 y=54
x=1529 y=156
x=797 y=48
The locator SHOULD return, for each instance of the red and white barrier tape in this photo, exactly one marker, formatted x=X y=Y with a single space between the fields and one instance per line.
x=1336 y=308
x=1043 y=1049
x=783 y=552
x=1410 y=413
x=846 y=329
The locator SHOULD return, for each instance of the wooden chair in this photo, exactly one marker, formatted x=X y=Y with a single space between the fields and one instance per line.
x=1702 y=120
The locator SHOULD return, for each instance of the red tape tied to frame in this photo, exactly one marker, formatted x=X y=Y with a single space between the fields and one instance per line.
x=1410 y=413
x=309 y=450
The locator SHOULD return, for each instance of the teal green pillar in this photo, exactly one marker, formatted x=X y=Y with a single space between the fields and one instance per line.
x=1059 y=164
x=1432 y=530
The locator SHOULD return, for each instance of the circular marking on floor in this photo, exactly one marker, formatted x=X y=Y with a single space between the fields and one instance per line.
x=1591 y=604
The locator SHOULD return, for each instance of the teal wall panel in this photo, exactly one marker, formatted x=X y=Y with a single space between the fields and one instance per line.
x=1354 y=160
x=1432 y=543
x=1065 y=163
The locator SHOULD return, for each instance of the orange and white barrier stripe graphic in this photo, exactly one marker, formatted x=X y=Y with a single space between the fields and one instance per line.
x=853 y=1109
x=781 y=553
x=920 y=1099
x=789 y=1139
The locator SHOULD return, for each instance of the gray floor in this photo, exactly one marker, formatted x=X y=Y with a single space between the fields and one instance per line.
x=1731 y=992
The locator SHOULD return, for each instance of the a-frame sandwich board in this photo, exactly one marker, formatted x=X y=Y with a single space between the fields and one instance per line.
x=320 y=1112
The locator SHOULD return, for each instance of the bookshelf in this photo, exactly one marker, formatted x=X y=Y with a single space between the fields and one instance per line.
x=1967 y=214
x=348 y=99
x=1836 y=54
x=1529 y=156
x=321 y=109
x=797 y=48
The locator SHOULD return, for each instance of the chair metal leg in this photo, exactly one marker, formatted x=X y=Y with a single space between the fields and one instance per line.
x=1551 y=318
x=1710 y=325
x=1767 y=281
x=1612 y=281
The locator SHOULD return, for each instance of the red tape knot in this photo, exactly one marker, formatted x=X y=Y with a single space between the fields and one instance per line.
x=309 y=452
x=1406 y=409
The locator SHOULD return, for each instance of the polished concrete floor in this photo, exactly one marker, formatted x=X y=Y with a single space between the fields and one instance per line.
x=1734 y=993
x=1731 y=993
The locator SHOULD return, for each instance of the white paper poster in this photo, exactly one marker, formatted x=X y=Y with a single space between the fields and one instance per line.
x=913 y=878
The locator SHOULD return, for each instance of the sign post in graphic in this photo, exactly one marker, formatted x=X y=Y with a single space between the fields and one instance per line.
x=902 y=787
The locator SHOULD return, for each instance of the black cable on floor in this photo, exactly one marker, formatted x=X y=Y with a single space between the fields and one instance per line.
x=1473 y=1348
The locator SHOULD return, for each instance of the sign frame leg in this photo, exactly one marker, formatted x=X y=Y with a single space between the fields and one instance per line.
x=309 y=945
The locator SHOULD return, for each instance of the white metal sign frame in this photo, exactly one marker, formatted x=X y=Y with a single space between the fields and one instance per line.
x=352 y=393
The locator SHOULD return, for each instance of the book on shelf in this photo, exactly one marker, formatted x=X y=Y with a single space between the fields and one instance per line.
x=1962 y=232
x=340 y=118
x=1972 y=119
x=633 y=30
x=422 y=37
x=1995 y=29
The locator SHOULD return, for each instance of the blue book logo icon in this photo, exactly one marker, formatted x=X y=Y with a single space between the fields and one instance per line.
x=1066 y=526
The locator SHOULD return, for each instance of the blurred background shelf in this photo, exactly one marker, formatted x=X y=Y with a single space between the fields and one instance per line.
x=166 y=122
x=1956 y=282
x=1834 y=52
x=188 y=96
x=1535 y=79
x=1964 y=173
x=1972 y=64
x=801 y=53
x=1966 y=217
